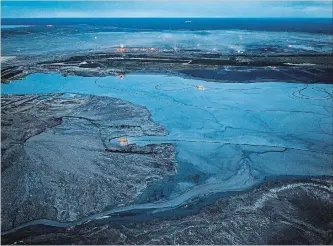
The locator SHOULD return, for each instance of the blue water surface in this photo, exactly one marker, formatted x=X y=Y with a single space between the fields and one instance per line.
x=232 y=135
x=314 y=25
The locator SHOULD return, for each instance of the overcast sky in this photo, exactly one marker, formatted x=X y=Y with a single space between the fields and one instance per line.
x=172 y=8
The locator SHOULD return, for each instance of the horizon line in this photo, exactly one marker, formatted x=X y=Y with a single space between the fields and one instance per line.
x=169 y=17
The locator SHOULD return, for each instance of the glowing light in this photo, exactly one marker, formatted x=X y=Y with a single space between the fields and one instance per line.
x=289 y=45
x=200 y=87
x=120 y=50
x=121 y=76
x=95 y=37
x=122 y=141
x=122 y=46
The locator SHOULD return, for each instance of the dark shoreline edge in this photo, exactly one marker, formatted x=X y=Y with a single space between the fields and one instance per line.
x=293 y=68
